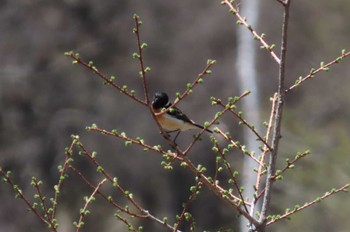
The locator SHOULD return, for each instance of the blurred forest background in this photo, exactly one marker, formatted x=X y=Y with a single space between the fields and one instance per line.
x=44 y=99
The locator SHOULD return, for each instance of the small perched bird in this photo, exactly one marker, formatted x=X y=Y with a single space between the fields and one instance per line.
x=173 y=120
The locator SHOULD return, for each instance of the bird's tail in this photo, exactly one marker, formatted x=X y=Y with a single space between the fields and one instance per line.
x=199 y=126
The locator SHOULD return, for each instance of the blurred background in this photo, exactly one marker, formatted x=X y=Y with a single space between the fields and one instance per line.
x=44 y=99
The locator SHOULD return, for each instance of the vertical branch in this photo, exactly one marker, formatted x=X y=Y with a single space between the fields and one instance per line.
x=265 y=149
x=278 y=118
x=143 y=72
x=140 y=46
x=63 y=175
x=84 y=210
x=194 y=192
x=41 y=197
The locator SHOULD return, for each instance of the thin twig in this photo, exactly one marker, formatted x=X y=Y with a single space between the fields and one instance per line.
x=76 y=171
x=161 y=222
x=223 y=194
x=216 y=170
x=312 y=73
x=290 y=164
x=145 y=84
x=109 y=178
x=267 y=136
x=190 y=86
x=134 y=141
x=306 y=205
x=232 y=175
x=111 y=82
x=83 y=211
x=240 y=147
x=252 y=128
x=191 y=198
x=243 y=21
x=43 y=203
x=181 y=157
x=279 y=173
x=145 y=213
x=216 y=118
x=140 y=57
x=262 y=158
x=21 y=195
x=62 y=177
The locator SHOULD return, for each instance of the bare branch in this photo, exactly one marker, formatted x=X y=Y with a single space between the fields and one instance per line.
x=84 y=211
x=306 y=205
x=139 y=142
x=216 y=117
x=232 y=175
x=186 y=205
x=109 y=81
x=140 y=46
x=144 y=213
x=267 y=136
x=251 y=127
x=243 y=21
x=278 y=174
x=190 y=86
x=323 y=67
x=20 y=195
x=290 y=164
x=240 y=147
x=42 y=198
x=62 y=170
x=277 y=119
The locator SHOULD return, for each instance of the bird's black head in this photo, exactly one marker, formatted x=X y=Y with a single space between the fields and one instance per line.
x=160 y=100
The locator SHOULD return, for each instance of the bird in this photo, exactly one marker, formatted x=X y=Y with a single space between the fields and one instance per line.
x=173 y=120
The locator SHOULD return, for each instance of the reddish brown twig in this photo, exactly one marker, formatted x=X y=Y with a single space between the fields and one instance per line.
x=216 y=118
x=62 y=170
x=42 y=198
x=313 y=72
x=231 y=174
x=243 y=21
x=265 y=149
x=88 y=201
x=140 y=58
x=289 y=165
x=20 y=194
x=306 y=205
x=251 y=127
x=109 y=81
x=192 y=197
x=240 y=147
x=134 y=141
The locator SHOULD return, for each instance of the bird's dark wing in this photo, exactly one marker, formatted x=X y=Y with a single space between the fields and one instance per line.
x=177 y=113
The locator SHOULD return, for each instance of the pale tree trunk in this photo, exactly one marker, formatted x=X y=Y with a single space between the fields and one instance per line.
x=247 y=75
